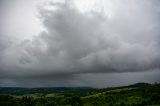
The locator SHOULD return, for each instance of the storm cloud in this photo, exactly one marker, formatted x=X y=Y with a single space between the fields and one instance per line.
x=116 y=37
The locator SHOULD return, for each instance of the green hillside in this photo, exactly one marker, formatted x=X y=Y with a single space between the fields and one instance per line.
x=140 y=94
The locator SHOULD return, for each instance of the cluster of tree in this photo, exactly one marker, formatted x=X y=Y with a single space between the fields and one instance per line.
x=6 y=100
x=138 y=95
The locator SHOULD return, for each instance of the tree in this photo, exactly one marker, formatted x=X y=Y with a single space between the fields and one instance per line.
x=76 y=101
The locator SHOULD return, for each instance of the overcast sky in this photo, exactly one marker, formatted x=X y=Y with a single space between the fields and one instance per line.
x=97 y=43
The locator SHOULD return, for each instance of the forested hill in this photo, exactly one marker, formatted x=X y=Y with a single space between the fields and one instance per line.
x=20 y=90
x=140 y=94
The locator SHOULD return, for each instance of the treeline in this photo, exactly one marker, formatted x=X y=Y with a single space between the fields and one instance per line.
x=6 y=100
x=44 y=90
x=135 y=95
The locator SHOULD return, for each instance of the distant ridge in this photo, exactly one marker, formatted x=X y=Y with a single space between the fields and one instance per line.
x=21 y=90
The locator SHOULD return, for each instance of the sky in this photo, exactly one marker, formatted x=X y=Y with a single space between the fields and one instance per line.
x=95 y=43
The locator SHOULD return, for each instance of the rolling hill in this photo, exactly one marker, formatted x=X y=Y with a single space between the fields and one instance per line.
x=139 y=94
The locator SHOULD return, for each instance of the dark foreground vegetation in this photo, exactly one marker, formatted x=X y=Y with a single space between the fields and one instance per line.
x=140 y=94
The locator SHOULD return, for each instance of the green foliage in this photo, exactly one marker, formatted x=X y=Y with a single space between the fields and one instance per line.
x=140 y=94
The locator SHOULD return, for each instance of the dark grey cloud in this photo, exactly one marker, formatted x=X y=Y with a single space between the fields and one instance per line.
x=75 y=43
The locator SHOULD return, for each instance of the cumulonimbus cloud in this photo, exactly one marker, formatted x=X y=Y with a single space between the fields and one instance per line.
x=126 y=40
